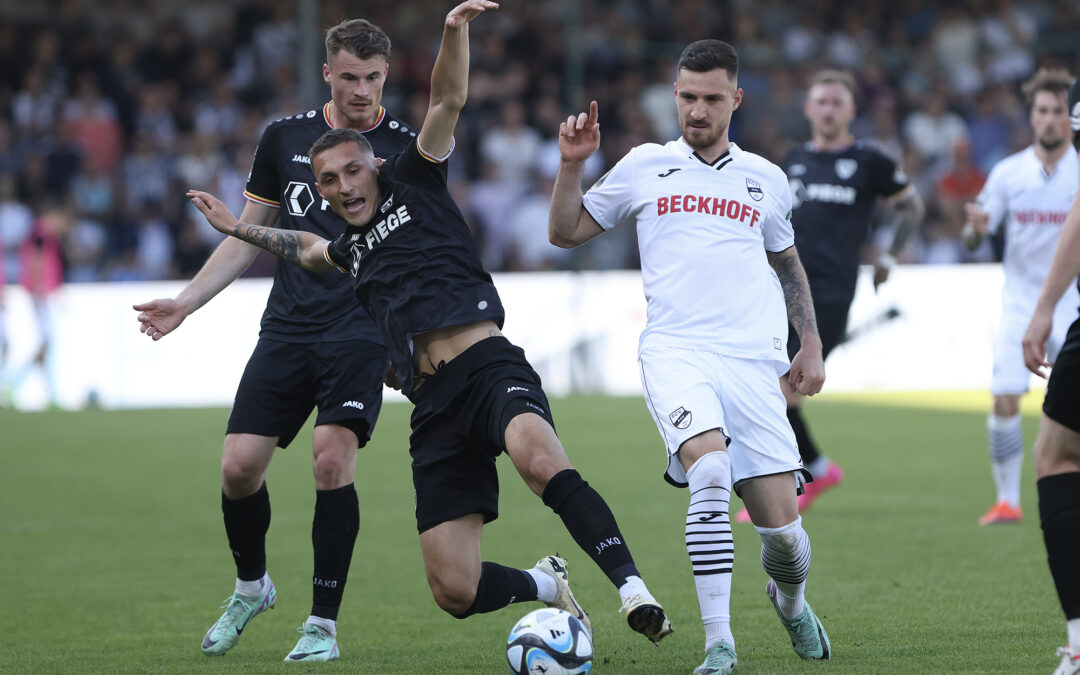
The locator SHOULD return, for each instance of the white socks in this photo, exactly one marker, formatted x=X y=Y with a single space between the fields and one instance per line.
x=328 y=625
x=253 y=588
x=1006 y=456
x=785 y=555
x=710 y=544
x=545 y=585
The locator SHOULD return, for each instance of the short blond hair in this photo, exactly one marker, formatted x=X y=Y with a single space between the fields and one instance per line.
x=831 y=76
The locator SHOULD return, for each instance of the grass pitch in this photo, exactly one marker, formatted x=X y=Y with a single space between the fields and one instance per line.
x=113 y=557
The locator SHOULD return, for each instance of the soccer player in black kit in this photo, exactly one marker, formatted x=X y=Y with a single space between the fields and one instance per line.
x=417 y=272
x=1057 y=447
x=835 y=182
x=315 y=349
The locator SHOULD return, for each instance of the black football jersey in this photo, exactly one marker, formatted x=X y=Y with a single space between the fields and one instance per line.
x=833 y=196
x=415 y=266
x=307 y=306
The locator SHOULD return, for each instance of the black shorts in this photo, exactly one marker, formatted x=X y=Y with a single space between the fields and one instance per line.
x=459 y=425
x=832 y=318
x=284 y=381
x=1062 y=403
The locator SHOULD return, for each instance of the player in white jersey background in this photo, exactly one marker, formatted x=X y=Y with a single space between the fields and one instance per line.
x=1057 y=448
x=1030 y=193
x=718 y=266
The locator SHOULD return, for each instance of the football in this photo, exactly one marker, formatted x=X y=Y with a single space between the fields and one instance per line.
x=549 y=641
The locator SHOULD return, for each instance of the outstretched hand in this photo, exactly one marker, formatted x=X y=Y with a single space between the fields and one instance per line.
x=579 y=135
x=467 y=11
x=216 y=214
x=158 y=318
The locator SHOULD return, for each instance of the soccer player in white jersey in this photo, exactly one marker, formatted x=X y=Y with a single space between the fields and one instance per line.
x=718 y=262
x=1030 y=192
x=1057 y=448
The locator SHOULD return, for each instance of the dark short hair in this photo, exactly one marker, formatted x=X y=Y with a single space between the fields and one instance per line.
x=705 y=55
x=359 y=37
x=334 y=138
x=1053 y=80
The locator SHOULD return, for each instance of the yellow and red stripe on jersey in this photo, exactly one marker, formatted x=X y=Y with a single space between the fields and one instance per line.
x=262 y=200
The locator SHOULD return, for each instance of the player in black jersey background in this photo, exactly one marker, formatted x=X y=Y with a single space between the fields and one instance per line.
x=316 y=349
x=417 y=271
x=836 y=181
x=1057 y=447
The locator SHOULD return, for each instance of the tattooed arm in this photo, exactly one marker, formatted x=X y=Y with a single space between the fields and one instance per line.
x=908 y=210
x=807 y=373
x=296 y=246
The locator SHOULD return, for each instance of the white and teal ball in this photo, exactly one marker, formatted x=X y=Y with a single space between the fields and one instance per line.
x=549 y=641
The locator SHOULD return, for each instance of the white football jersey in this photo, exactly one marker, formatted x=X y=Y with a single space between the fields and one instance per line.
x=703 y=230
x=1033 y=205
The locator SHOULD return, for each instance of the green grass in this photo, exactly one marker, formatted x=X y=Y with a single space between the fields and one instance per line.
x=113 y=557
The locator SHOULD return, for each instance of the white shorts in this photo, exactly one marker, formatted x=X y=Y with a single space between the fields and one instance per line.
x=1011 y=376
x=690 y=392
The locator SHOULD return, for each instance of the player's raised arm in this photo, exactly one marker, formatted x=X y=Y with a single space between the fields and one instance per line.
x=807 y=374
x=450 y=78
x=569 y=224
x=296 y=246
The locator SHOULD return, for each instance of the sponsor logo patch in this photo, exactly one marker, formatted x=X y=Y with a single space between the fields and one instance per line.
x=298 y=198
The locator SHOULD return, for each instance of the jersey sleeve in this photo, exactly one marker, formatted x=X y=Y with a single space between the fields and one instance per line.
x=777 y=230
x=992 y=197
x=1074 y=111
x=337 y=252
x=263 y=184
x=886 y=176
x=420 y=169
x=610 y=199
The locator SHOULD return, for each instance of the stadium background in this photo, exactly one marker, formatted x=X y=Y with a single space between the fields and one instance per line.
x=109 y=109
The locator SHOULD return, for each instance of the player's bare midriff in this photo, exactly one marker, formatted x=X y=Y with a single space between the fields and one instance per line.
x=442 y=345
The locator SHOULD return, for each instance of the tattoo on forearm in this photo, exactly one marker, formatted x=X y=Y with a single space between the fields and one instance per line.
x=285 y=244
x=800 y=307
x=909 y=212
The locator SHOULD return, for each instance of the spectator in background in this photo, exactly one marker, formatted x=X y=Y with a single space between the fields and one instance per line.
x=960 y=185
x=92 y=120
x=33 y=108
x=511 y=146
x=933 y=130
x=16 y=220
x=40 y=275
x=147 y=174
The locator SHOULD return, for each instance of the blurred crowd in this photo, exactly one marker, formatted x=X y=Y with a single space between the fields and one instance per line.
x=110 y=109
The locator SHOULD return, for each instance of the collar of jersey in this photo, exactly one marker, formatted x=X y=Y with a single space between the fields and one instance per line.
x=732 y=152
x=326 y=117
